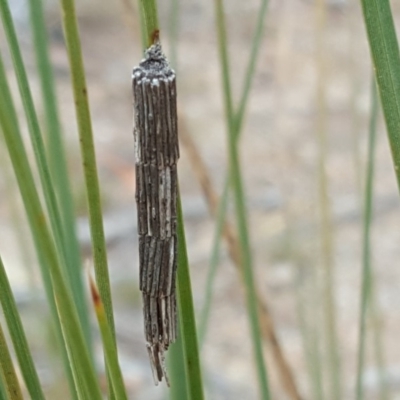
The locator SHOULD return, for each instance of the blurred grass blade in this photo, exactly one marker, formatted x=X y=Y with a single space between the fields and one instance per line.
x=10 y=377
x=57 y=162
x=26 y=258
x=366 y=255
x=237 y=126
x=111 y=355
x=173 y=32
x=239 y=199
x=34 y=129
x=83 y=371
x=251 y=67
x=377 y=344
x=367 y=298
x=310 y=340
x=325 y=215
x=384 y=49
x=18 y=337
x=88 y=157
x=386 y=59
x=10 y=113
x=40 y=155
x=212 y=270
x=187 y=320
x=16 y=218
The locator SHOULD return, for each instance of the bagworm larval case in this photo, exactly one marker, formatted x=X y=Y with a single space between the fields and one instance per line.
x=157 y=152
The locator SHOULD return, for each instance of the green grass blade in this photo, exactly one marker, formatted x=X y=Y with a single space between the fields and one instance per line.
x=239 y=199
x=173 y=31
x=187 y=320
x=33 y=125
x=214 y=261
x=111 y=355
x=26 y=258
x=175 y=358
x=248 y=79
x=176 y=369
x=377 y=345
x=71 y=34
x=386 y=59
x=366 y=250
x=241 y=216
x=310 y=340
x=224 y=62
x=15 y=216
x=176 y=353
x=327 y=249
x=57 y=162
x=9 y=111
x=55 y=319
x=367 y=292
x=82 y=368
x=88 y=156
x=18 y=337
x=7 y=367
x=150 y=23
x=39 y=150
x=237 y=126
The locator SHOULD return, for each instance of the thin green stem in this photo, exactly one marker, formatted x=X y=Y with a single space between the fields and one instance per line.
x=150 y=21
x=385 y=54
x=110 y=352
x=332 y=351
x=10 y=113
x=7 y=367
x=214 y=261
x=58 y=163
x=224 y=63
x=187 y=320
x=34 y=129
x=16 y=218
x=239 y=198
x=40 y=155
x=366 y=254
x=238 y=193
x=248 y=79
x=176 y=356
x=88 y=156
x=19 y=226
x=310 y=338
x=377 y=344
x=18 y=337
x=84 y=375
x=173 y=32
x=237 y=126
x=367 y=298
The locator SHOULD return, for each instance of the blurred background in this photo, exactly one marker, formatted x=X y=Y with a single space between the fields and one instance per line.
x=313 y=75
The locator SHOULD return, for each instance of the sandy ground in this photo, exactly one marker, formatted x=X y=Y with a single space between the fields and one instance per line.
x=279 y=158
